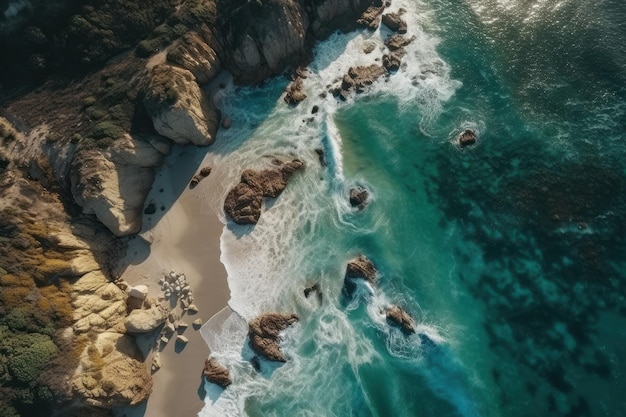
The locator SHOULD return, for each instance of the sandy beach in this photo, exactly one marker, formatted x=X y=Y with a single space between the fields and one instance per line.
x=183 y=235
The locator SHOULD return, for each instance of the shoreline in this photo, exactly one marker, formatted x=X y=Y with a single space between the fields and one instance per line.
x=183 y=237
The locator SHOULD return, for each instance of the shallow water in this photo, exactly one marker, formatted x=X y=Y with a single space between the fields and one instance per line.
x=509 y=254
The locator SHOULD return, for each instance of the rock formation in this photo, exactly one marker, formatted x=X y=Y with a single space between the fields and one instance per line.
x=192 y=53
x=361 y=268
x=294 y=93
x=358 y=197
x=371 y=16
x=264 y=333
x=357 y=79
x=394 y=22
x=243 y=202
x=314 y=288
x=397 y=316
x=113 y=184
x=468 y=137
x=396 y=42
x=145 y=320
x=216 y=373
x=178 y=107
x=204 y=172
x=392 y=61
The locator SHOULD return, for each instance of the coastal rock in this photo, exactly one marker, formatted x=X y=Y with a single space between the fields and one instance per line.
x=394 y=22
x=216 y=373
x=396 y=42
x=113 y=184
x=192 y=53
x=294 y=92
x=397 y=316
x=358 y=197
x=145 y=321
x=359 y=77
x=468 y=137
x=178 y=107
x=204 y=172
x=314 y=288
x=392 y=61
x=138 y=291
x=371 y=16
x=264 y=333
x=99 y=305
x=243 y=202
x=182 y=339
x=361 y=268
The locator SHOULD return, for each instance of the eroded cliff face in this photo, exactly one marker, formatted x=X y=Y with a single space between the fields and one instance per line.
x=261 y=39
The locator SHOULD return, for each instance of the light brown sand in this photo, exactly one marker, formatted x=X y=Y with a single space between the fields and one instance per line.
x=185 y=239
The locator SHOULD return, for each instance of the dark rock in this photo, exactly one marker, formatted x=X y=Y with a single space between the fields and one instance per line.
x=394 y=22
x=397 y=316
x=216 y=373
x=321 y=157
x=243 y=202
x=358 y=197
x=204 y=172
x=150 y=209
x=361 y=268
x=468 y=137
x=294 y=92
x=396 y=42
x=315 y=109
x=227 y=122
x=392 y=61
x=314 y=288
x=264 y=333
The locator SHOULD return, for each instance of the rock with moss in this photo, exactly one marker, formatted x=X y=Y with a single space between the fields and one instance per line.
x=179 y=109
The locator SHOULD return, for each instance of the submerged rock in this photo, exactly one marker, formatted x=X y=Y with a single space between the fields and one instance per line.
x=216 y=373
x=397 y=316
x=264 y=333
x=243 y=202
x=468 y=137
x=358 y=197
x=314 y=288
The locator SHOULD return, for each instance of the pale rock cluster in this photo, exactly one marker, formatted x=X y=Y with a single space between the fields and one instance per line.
x=174 y=284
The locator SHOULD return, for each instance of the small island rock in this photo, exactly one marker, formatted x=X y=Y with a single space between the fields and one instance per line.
x=264 y=333
x=397 y=316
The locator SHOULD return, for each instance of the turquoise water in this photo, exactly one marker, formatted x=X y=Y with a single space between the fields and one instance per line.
x=509 y=254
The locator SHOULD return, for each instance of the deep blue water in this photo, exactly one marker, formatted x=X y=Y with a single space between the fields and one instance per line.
x=509 y=253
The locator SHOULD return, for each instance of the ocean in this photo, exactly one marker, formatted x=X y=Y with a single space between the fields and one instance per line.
x=509 y=254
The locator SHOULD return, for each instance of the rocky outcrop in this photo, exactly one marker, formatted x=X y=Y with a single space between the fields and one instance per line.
x=394 y=22
x=178 y=107
x=294 y=93
x=468 y=137
x=111 y=373
x=371 y=16
x=397 y=316
x=243 y=202
x=358 y=197
x=392 y=61
x=357 y=79
x=361 y=268
x=113 y=184
x=261 y=39
x=315 y=288
x=264 y=334
x=216 y=373
x=145 y=320
x=192 y=53
x=398 y=42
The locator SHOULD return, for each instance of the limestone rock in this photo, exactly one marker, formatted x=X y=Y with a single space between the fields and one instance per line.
x=179 y=109
x=358 y=197
x=396 y=315
x=394 y=22
x=192 y=53
x=468 y=137
x=243 y=202
x=144 y=321
x=294 y=92
x=138 y=291
x=216 y=373
x=264 y=333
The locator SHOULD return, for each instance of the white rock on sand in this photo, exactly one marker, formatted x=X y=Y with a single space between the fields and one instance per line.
x=138 y=291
